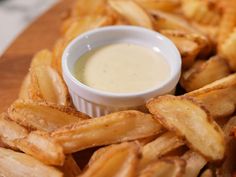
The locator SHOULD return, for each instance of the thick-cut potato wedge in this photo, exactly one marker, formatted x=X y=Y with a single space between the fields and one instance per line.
x=207 y=173
x=223 y=90
x=205 y=73
x=15 y=164
x=228 y=50
x=132 y=12
x=166 y=167
x=70 y=167
x=194 y=163
x=113 y=128
x=42 y=58
x=189 y=44
x=190 y=120
x=160 y=146
x=24 y=89
x=118 y=160
x=205 y=12
x=163 y=5
x=37 y=144
x=47 y=84
x=168 y=21
x=43 y=116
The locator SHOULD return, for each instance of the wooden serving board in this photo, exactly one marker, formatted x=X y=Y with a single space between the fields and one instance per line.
x=14 y=63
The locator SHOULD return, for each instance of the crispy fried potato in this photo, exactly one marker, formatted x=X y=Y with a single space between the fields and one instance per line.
x=112 y=128
x=166 y=167
x=144 y=141
x=189 y=44
x=168 y=21
x=207 y=173
x=132 y=12
x=42 y=58
x=194 y=163
x=205 y=12
x=118 y=160
x=70 y=167
x=204 y=73
x=228 y=50
x=47 y=84
x=15 y=164
x=185 y=116
x=223 y=90
x=163 y=5
x=24 y=89
x=160 y=146
x=43 y=116
x=57 y=52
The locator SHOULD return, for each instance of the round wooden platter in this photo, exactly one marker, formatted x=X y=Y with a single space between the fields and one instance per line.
x=14 y=63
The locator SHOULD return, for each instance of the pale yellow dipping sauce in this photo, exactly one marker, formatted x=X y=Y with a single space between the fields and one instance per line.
x=122 y=68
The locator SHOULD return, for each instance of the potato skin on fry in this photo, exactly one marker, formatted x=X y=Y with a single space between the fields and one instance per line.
x=190 y=120
x=113 y=128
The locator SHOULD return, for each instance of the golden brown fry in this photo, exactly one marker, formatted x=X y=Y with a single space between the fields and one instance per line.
x=113 y=128
x=37 y=144
x=43 y=116
x=228 y=50
x=70 y=167
x=190 y=120
x=144 y=141
x=166 y=167
x=47 y=84
x=160 y=146
x=189 y=44
x=194 y=163
x=205 y=12
x=207 y=173
x=118 y=160
x=223 y=90
x=24 y=89
x=15 y=164
x=42 y=58
x=132 y=12
x=163 y=5
x=204 y=73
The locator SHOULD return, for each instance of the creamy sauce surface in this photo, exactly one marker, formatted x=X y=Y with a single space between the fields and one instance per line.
x=122 y=68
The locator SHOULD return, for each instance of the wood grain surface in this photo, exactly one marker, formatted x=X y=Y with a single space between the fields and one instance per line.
x=14 y=63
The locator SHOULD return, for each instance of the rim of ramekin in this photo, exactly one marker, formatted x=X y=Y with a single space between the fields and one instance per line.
x=67 y=74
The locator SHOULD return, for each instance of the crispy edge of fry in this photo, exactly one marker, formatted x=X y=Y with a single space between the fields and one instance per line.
x=123 y=126
x=70 y=168
x=120 y=159
x=209 y=120
x=121 y=7
x=159 y=147
x=25 y=86
x=20 y=118
x=194 y=163
x=15 y=163
x=42 y=57
x=164 y=167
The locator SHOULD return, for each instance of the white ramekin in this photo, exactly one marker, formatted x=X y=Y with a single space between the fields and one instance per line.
x=95 y=102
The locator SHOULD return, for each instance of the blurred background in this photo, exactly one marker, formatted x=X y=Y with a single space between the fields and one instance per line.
x=16 y=15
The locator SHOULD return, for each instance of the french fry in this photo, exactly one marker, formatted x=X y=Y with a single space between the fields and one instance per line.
x=166 y=167
x=15 y=164
x=43 y=116
x=112 y=128
x=159 y=147
x=194 y=163
x=163 y=5
x=185 y=116
x=24 y=89
x=42 y=58
x=207 y=173
x=47 y=84
x=37 y=144
x=132 y=12
x=189 y=44
x=70 y=167
x=223 y=90
x=118 y=160
x=228 y=50
x=205 y=73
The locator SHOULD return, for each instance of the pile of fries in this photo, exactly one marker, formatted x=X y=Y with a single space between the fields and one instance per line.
x=188 y=135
